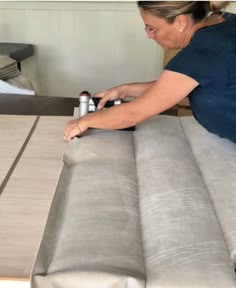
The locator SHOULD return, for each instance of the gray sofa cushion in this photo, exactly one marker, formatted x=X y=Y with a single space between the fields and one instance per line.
x=216 y=159
x=111 y=182
x=93 y=234
x=183 y=243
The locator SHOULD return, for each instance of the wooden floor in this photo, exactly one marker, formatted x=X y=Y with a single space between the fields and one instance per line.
x=27 y=196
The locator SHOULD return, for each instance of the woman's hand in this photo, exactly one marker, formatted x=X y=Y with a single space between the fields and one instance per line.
x=74 y=128
x=110 y=95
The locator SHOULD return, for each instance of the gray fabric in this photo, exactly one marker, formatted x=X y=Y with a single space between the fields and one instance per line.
x=216 y=158
x=8 y=67
x=182 y=240
x=6 y=62
x=22 y=81
x=112 y=182
x=93 y=231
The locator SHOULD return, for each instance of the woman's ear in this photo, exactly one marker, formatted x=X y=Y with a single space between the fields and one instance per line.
x=181 y=22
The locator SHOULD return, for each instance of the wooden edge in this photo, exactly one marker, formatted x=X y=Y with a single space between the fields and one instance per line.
x=14 y=279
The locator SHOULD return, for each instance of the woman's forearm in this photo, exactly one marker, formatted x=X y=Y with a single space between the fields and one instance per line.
x=136 y=89
x=127 y=114
x=119 y=116
x=116 y=117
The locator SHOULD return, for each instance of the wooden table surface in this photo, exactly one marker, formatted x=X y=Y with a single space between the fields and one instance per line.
x=31 y=149
x=27 y=195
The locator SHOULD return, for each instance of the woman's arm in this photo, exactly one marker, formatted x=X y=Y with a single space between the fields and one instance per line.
x=170 y=88
x=136 y=89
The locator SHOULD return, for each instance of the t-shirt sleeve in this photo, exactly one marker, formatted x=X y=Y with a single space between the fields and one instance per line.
x=195 y=63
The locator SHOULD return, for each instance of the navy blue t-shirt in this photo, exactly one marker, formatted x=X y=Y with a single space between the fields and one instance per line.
x=210 y=59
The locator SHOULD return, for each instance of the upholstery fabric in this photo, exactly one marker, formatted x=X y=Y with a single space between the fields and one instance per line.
x=132 y=210
x=183 y=244
x=216 y=158
x=93 y=232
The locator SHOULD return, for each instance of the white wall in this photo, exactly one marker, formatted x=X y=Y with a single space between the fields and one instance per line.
x=81 y=45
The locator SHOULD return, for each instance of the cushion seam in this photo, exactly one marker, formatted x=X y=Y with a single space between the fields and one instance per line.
x=139 y=210
x=19 y=155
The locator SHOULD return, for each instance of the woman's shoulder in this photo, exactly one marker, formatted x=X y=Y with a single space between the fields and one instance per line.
x=228 y=23
x=216 y=37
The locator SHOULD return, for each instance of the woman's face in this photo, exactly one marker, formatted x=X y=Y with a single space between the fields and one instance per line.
x=163 y=33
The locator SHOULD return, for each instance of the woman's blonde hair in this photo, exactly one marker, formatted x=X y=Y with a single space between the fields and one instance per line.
x=170 y=9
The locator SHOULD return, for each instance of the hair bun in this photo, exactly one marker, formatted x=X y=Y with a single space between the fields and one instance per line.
x=216 y=6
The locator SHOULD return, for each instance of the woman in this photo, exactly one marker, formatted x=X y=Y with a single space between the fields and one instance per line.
x=204 y=70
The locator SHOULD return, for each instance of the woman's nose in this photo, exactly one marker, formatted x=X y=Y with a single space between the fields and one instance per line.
x=150 y=36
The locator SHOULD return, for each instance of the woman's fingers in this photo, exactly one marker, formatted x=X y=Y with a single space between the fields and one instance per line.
x=108 y=95
x=105 y=96
x=69 y=126
x=100 y=95
x=102 y=102
x=73 y=129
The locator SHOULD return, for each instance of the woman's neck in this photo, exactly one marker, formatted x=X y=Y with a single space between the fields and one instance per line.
x=213 y=19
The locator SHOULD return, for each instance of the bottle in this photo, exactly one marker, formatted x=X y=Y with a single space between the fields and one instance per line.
x=84 y=98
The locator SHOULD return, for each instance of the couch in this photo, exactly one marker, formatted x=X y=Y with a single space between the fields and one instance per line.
x=151 y=208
